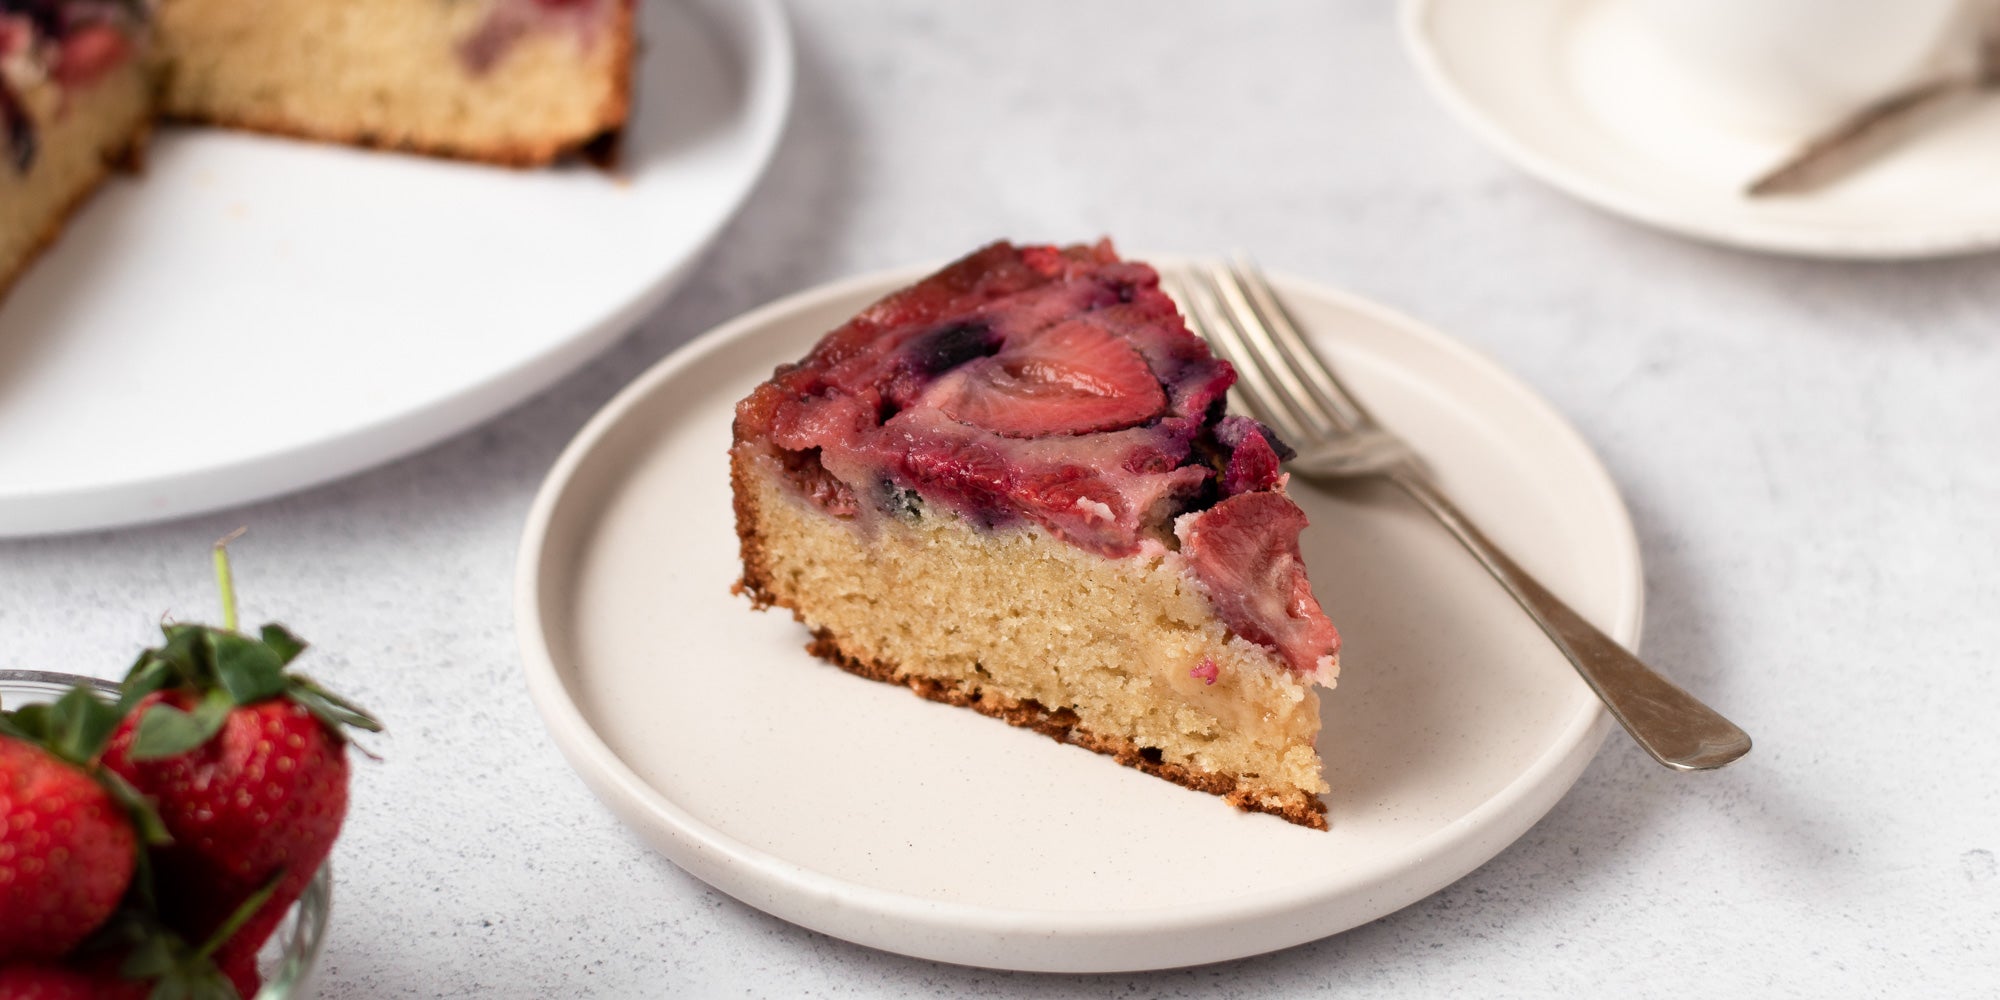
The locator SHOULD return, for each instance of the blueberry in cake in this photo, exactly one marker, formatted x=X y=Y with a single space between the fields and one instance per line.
x=1012 y=487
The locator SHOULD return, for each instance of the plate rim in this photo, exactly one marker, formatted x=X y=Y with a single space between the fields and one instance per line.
x=766 y=59
x=734 y=867
x=1763 y=236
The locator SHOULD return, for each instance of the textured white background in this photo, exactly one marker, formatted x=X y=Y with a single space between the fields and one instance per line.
x=1809 y=451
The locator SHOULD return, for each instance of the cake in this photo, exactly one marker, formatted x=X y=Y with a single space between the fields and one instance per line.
x=1013 y=487
x=517 y=82
x=75 y=100
x=514 y=82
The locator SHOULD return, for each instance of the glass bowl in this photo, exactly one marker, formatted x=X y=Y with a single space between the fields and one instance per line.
x=286 y=961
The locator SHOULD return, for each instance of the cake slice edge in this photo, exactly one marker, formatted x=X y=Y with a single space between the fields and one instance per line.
x=103 y=130
x=1188 y=663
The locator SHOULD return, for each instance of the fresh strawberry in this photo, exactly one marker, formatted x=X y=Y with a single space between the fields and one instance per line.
x=1073 y=378
x=68 y=845
x=66 y=853
x=246 y=764
x=42 y=981
x=1245 y=551
x=132 y=957
x=262 y=799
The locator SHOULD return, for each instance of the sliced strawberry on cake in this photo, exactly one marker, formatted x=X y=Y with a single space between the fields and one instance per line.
x=1011 y=487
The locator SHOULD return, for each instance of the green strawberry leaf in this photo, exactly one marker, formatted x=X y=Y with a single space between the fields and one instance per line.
x=248 y=669
x=9 y=728
x=165 y=731
x=329 y=708
x=241 y=915
x=180 y=660
x=144 y=819
x=154 y=956
x=194 y=980
x=142 y=891
x=33 y=722
x=281 y=640
x=183 y=648
x=155 y=953
x=148 y=675
x=84 y=723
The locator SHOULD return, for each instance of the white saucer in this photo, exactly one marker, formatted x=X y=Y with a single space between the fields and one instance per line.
x=859 y=810
x=1572 y=93
x=256 y=315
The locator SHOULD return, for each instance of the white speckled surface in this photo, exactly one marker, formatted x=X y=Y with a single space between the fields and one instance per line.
x=1807 y=449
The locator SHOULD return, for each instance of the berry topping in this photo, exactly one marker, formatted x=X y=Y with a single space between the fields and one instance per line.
x=1245 y=551
x=89 y=53
x=1053 y=386
x=1074 y=378
x=1253 y=456
x=971 y=477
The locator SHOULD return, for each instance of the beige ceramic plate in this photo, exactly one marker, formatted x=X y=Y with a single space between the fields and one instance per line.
x=859 y=810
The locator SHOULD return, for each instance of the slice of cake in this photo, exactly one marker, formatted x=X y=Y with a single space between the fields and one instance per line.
x=516 y=82
x=75 y=101
x=1011 y=487
x=519 y=82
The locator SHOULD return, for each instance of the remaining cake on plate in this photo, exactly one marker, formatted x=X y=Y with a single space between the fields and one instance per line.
x=1012 y=487
x=517 y=82
x=504 y=81
x=75 y=100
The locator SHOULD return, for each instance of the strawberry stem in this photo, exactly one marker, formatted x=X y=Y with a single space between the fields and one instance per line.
x=225 y=580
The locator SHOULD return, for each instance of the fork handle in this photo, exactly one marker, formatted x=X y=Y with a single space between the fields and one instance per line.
x=1670 y=724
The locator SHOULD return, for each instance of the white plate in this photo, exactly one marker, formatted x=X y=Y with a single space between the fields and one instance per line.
x=1575 y=93
x=256 y=315
x=862 y=811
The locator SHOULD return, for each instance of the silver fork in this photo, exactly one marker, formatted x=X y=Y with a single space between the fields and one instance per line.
x=1292 y=389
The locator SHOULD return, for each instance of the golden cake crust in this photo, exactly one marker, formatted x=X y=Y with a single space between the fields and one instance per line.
x=1063 y=727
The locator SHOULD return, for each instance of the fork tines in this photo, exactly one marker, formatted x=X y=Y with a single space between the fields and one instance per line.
x=1280 y=378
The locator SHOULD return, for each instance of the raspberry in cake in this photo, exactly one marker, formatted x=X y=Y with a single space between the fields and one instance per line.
x=1013 y=487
